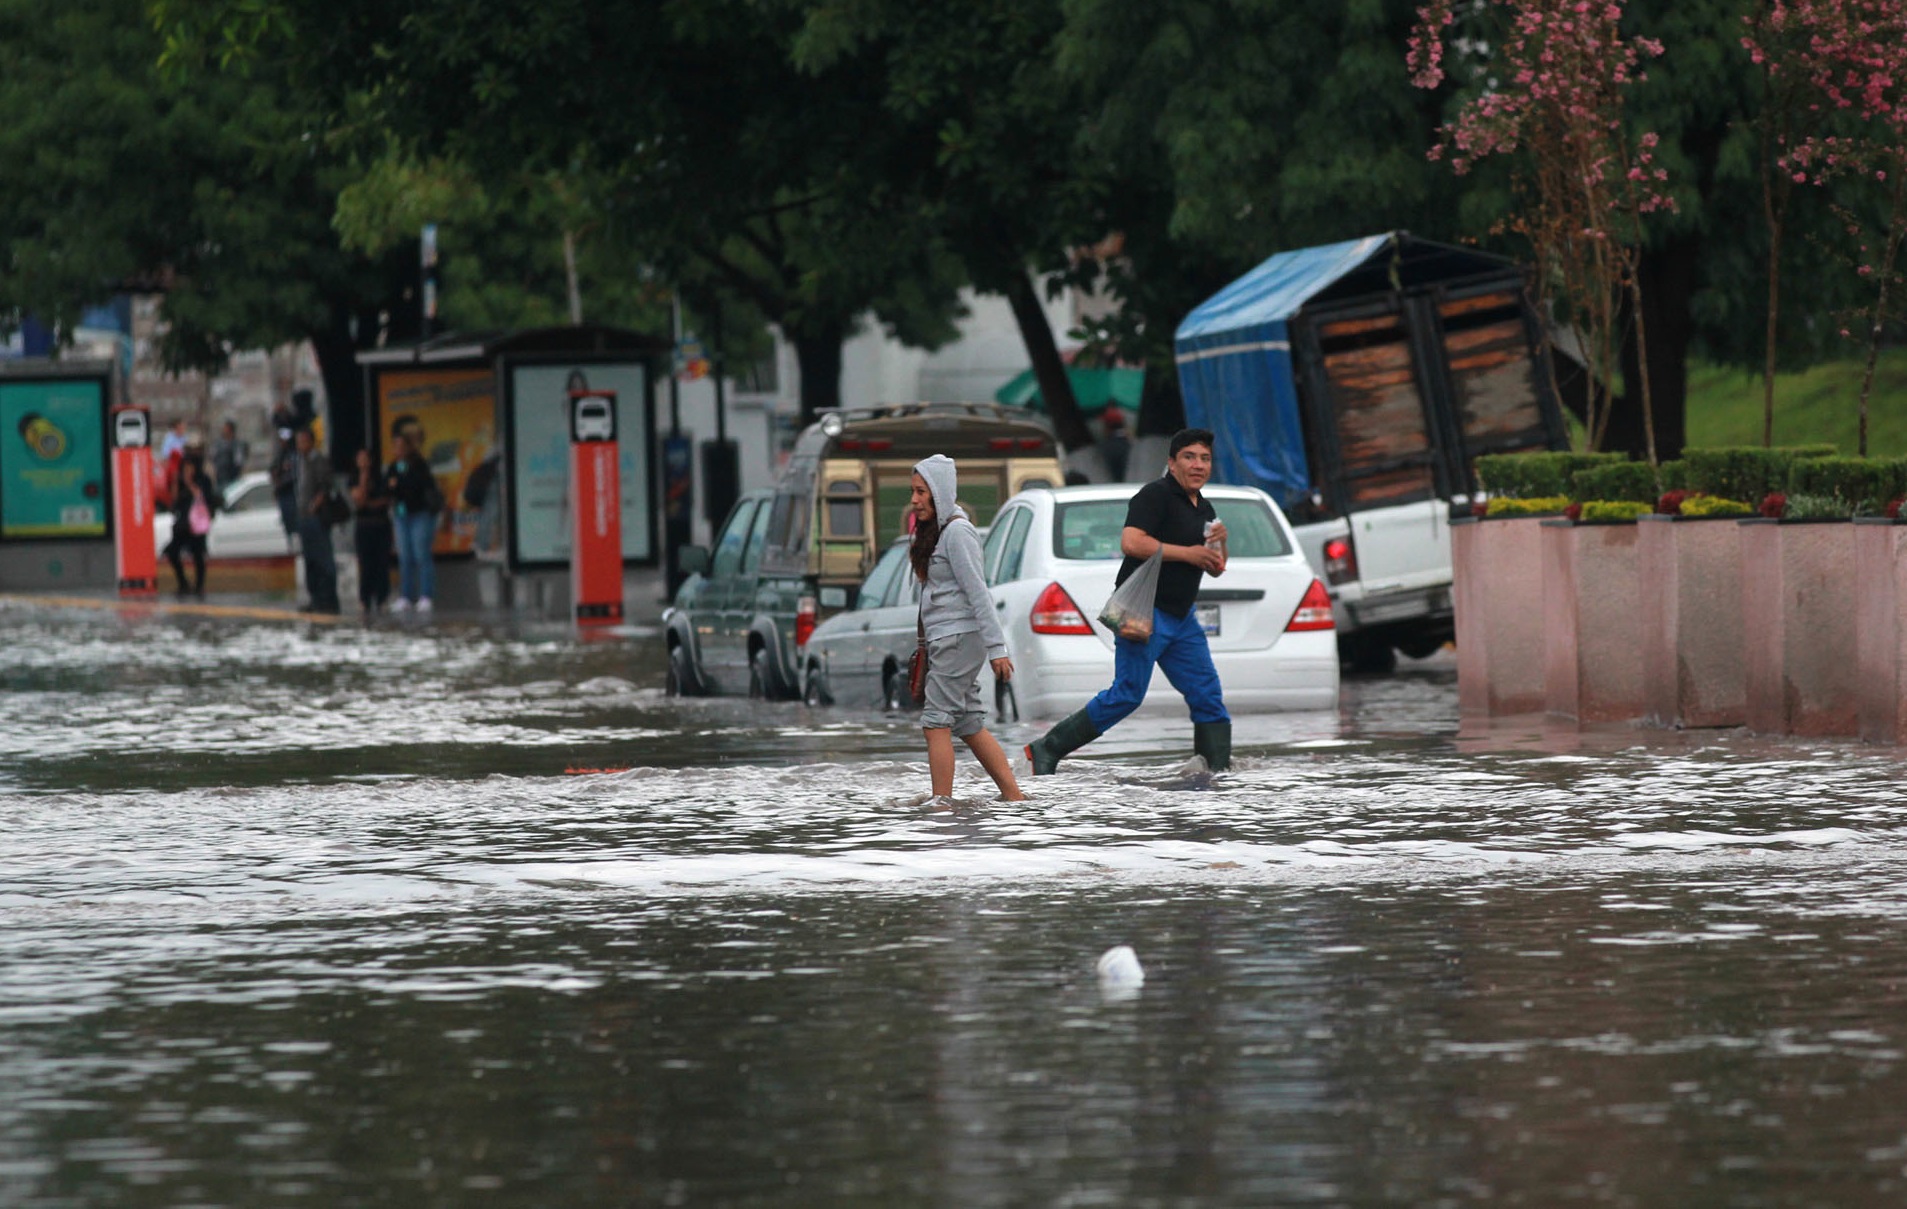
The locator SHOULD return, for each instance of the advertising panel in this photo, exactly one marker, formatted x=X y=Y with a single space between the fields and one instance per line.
x=53 y=458
x=540 y=462
x=455 y=411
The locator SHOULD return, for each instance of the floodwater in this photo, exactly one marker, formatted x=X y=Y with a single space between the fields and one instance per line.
x=319 y=915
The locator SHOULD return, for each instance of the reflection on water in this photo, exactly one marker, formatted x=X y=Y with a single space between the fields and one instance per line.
x=317 y=914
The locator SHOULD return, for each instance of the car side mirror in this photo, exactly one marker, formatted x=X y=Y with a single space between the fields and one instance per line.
x=692 y=560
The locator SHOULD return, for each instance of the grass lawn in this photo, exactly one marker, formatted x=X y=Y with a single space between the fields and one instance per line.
x=1819 y=404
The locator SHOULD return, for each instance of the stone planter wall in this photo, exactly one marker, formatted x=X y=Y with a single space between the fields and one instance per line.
x=1592 y=653
x=1798 y=642
x=1689 y=572
x=1497 y=592
x=1880 y=628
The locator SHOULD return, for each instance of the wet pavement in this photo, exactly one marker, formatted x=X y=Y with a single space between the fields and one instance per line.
x=319 y=913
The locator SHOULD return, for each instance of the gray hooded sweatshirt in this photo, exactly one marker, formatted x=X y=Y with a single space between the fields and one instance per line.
x=955 y=599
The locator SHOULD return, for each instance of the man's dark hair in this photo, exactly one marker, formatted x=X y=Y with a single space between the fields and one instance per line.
x=1190 y=436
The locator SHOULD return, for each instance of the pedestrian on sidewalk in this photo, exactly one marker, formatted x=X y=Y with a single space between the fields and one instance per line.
x=284 y=469
x=229 y=455
x=961 y=628
x=314 y=488
x=195 y=503
x=415 y=503
x=372 y=536
x=1168 y=514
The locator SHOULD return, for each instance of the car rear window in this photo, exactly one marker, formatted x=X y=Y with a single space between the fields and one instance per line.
x=1090 y=529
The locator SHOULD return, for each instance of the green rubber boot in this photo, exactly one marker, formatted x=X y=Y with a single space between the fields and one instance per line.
x=1074 y=731
x=1213 y=740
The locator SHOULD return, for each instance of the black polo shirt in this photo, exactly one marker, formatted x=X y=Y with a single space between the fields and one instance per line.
x=1163 y=510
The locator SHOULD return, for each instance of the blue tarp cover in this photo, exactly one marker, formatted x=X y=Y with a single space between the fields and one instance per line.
x=1234 y=358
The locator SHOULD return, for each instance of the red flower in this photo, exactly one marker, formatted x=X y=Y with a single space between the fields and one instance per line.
x=1893 y=507
x=1774 y=505
x=1671 y=502
x=1574 y=512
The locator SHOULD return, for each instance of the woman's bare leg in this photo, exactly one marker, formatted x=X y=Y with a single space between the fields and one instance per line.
x=987 y=750
x=940 y=759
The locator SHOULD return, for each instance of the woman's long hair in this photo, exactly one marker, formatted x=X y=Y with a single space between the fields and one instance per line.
x=921 y=553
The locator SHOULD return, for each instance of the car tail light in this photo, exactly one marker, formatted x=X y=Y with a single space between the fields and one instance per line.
x=1055 y=613
x=804 y=620
x=1314 y=611
x=1030 y=443
x=879 y=444
x=849 y=444
x=999 y=444
x=1340 y=560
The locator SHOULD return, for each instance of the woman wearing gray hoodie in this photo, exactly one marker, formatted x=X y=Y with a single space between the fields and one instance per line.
x=956 y=612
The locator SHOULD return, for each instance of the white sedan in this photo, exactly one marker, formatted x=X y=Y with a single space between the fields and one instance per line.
x=249 y=527
x=1051 y=559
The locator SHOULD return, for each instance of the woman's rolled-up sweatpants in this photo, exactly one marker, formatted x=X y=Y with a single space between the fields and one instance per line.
x=953 y=684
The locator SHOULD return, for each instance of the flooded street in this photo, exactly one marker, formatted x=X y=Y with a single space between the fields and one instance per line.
x=304 y=914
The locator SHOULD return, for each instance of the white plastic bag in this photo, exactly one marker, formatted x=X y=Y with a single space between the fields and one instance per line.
x=1128 y=611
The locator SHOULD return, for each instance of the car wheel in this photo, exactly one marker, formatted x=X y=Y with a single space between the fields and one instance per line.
x=1006 y=706
x=817 y=694
x=1420 y=645
x=761 y=677
x=681 y=679
x=1363 y=653
x=894 y=690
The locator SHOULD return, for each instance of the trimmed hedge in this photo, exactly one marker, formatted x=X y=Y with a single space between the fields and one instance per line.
x=1547 y=506
x=1631 y=481
x=1714 y=505
x=1746 y=472
x=1527 y=476
x=1854 y=484
x=1674 y=476
x=1615 y=510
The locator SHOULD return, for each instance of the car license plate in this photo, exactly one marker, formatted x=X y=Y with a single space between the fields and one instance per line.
x=1208 y=619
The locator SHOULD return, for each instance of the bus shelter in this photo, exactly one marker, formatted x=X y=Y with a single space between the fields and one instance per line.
x=490 y=412
x=56 y=490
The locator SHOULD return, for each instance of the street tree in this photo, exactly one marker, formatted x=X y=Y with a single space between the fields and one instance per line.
x=723 y=170
x=211 y=190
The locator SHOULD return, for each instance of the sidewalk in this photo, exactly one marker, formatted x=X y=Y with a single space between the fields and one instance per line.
x=642 y=604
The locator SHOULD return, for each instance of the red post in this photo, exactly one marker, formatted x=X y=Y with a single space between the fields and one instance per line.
x=595 y=494
x=136 y=561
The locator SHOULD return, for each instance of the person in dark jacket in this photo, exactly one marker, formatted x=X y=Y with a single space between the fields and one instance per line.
x=195 y=503
x=314 y=486
x=415 y=501
x=372 y=535
x=284 y=470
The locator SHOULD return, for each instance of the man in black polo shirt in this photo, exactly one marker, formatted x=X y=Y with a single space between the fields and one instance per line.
x=1168 y=513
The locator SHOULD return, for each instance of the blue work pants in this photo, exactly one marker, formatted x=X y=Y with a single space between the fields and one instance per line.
x=417 y=574
x=1178 y=648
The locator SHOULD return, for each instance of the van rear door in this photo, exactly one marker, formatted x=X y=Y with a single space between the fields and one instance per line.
x=1384 y=449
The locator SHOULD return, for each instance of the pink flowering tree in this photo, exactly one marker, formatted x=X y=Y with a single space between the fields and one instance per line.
x=1546 y=81
x=1852 y=57
x=1780 y=45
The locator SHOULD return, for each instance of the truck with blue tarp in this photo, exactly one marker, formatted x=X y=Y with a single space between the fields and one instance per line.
x=1357 y=383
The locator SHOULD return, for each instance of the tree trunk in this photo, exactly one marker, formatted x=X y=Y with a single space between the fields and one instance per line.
x=818 y=353
x=1049 y=370
x=1774 y=312
x=1161 y=406
x=1666 y=277
x=1896 y=230
x=346 y=424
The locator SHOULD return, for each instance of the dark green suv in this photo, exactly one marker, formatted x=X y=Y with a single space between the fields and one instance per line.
x=791 y=555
